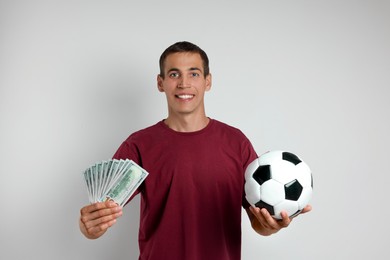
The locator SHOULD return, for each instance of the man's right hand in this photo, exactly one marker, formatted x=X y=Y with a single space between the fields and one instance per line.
x=96 y=218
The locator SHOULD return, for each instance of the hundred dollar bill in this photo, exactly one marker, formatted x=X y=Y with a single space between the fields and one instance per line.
x=130 y=179
x=87 y=178
x=113 y=180
x=99 y=177
x=106 y=177
x=117 y=168
x=93 y=182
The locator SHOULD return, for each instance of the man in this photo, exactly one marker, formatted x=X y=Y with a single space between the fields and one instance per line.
x=191 y=201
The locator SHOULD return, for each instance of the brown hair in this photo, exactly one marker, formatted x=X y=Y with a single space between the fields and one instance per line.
x=184 y=47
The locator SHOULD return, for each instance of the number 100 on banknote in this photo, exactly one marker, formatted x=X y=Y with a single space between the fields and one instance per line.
x=114 y=180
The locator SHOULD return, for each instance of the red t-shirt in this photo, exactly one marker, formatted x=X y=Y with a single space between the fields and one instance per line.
x=191 y=200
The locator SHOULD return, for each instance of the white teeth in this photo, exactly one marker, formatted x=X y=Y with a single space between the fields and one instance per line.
x=185 y=96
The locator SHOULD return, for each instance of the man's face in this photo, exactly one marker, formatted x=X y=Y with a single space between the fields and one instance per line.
x=184 y=83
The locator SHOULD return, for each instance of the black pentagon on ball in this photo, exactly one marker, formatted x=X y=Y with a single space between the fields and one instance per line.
x=262 y=174
x=290 y=157
x=312 y=181
x=293 y=190
x=261 y=204
x=296 y=213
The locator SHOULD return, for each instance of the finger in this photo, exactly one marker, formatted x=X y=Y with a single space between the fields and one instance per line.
x=103 y=212
x=268 y=219
x=257 y=213
x=98 y=213
x=101 y=216
x=101 y=228
x=254 y=210
x=285 y=221
x=102 y=220
x=274 y=223
x=262 y=216
x=306 y=209
x=97 y=206
x=104 y=208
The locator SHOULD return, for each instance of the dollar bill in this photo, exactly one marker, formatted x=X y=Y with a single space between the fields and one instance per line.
x=125 y=186
x=113 y=180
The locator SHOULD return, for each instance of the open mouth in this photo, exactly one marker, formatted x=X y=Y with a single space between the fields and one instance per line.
x=185 y=96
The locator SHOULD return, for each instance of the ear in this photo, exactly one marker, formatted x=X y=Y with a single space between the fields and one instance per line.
x=159 y=83
x=208 y=82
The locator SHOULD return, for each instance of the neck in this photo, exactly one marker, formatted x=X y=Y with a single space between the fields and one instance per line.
x=187 y=124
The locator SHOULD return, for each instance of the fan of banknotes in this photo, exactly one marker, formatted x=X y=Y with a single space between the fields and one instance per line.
x=113 y=180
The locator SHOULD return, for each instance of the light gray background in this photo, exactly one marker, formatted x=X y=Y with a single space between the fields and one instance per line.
x=311 y=77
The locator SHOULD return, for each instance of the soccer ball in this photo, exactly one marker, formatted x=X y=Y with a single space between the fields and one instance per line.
x=278 y=181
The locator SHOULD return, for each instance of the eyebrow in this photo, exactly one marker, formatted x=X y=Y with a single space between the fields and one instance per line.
x=190 y=69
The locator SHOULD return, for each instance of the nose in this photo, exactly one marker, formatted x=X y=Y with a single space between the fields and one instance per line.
x=184 y=82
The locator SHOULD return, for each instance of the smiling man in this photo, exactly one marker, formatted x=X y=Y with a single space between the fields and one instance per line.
x=191 y=201
x=184 y=83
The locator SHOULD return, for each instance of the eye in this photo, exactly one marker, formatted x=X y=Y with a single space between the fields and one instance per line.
x=195 y=74
x=174 y=75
